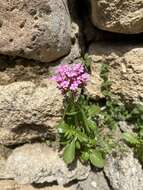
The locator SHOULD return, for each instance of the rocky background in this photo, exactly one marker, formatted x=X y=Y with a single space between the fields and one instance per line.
x=35 y=36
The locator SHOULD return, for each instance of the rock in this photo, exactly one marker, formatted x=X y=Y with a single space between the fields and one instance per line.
x=28 y=111
x=37 y=163
x=75 y=52
x=125 y=63
x=19 y=69
x=124 y=172
x=118 y=16
x=126 y=127
x=7 y=185
x=34 y=29
x=4 y=153
x=95 y=181
x=93 y=87
x=12 y=185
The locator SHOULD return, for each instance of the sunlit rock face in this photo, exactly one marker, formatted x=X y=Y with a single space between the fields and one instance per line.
x=34 y=29
x=118 y=16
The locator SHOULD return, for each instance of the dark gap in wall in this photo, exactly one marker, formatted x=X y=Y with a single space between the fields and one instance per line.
x=79 y=9
x=117 y=37
x=45 y=184
x=108 y=181
x=33 y=128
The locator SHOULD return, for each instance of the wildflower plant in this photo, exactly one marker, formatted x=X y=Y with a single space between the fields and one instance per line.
x=70 y=78
x=80 y=134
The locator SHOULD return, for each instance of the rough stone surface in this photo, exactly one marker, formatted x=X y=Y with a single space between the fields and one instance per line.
x=125 y=69
x=75 y=52
x=4 y=153
x=126 y=127
x=12 y=185
x=95 y=181
x=19 y=69
x=37 y=163
x=124 y=172
x=118 y=16
x=28 y=111
x=34 y=29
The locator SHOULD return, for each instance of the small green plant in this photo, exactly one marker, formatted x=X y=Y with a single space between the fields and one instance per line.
x=80 y=134
x=115 y=109
x=86 y=130
x=87 y=62
x=135 y=139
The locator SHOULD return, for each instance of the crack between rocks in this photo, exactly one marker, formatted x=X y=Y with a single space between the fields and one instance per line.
x=108 y=181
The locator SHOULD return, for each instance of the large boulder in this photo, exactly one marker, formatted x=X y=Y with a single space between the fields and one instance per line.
x=28 y=111
x=118 y=16
x=34 y=29
x=124 y=172
x=37 y=163
x=125 y=62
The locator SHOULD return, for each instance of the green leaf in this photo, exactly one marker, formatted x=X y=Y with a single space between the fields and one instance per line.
x=96 y=159
x=81 y=137
x=85 y=121
x=72 y=113
x=69 y=153
x=62 y=126
x=85 y=156
x=91 y=124
x=93 y=110
x=131 y=138
x=78 y=146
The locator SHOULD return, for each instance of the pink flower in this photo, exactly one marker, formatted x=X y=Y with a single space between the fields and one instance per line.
x=70 y=77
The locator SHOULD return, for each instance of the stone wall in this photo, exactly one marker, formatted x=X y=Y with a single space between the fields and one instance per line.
x=35 y=37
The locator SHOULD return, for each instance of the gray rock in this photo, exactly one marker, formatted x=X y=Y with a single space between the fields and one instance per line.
x=126 y=127
x=34 y=29
x=118 y=16
x=95 y=181
x=37 y=163
x=28 y=111
x=124 y=172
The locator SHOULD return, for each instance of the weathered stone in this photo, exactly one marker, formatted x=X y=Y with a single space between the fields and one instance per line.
x=12 y=185
x=4 y=153
x=34 y=29
x=124 y=172
x=125 y=63
x=95 y=181
x=28 y=111
x=37 y=163
x=19 y=69
x=118 y=16
x=126 y=127
x=75 y=52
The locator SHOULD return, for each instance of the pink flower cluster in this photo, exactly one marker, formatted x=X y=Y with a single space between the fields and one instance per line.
x=70 y=77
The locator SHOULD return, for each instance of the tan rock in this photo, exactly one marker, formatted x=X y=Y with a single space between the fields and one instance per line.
x=125 y=69
x=28 y=111
x=34 y=29
x=12 y=185
x=12 y=70
x=118 y=16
